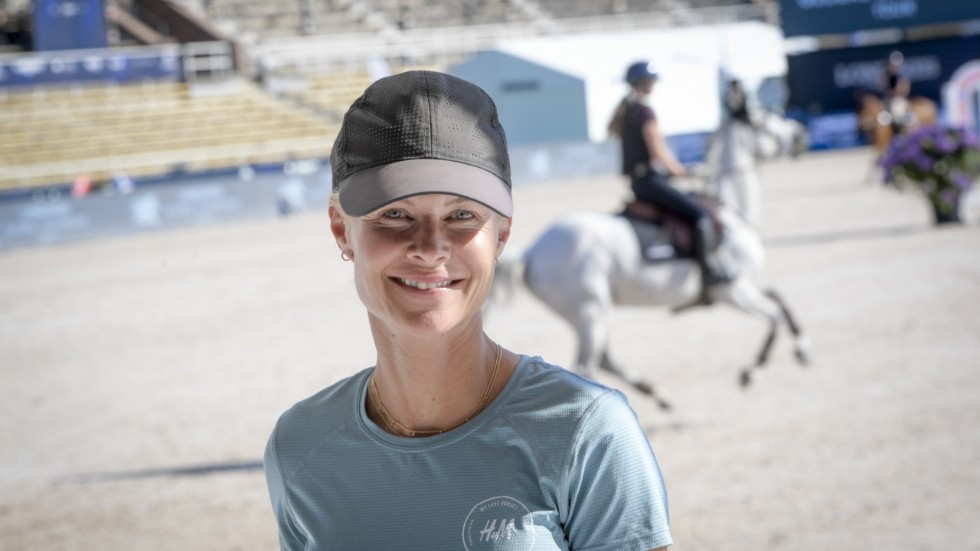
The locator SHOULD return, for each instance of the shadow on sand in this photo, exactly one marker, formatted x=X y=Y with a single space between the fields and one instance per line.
x=845 y=235
x=190 y=470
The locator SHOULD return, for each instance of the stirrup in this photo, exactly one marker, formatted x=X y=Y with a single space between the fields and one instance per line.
x=704 y=299
x=709 y=281
x=713 y=279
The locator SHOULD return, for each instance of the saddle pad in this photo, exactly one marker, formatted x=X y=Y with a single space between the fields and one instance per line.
x=657 y=241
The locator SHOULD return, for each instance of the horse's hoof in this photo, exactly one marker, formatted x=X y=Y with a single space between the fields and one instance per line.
x=802 y=358
x=745 y=378
x=644 y=387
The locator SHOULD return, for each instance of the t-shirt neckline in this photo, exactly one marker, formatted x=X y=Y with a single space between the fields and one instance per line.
x=417 y=444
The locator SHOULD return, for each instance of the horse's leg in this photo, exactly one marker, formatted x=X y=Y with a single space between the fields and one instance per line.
x=746 y=188
x=881 y=138
x=639 y=384
x=746 y=296
x=801 y=344
x=591 y=323
x=873 y=175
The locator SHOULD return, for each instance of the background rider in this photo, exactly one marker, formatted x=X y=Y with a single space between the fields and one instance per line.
x=650 y=164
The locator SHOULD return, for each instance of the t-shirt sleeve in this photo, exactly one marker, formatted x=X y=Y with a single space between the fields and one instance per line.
x=290 y=536
x=647 y=114
x=615 y=492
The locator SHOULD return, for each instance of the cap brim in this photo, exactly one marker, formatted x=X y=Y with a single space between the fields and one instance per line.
x=372 y=188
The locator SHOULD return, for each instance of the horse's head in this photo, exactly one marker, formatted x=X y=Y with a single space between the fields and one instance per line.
x=779 y=136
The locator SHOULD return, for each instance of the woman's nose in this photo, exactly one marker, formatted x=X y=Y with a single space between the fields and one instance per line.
x=431 y=243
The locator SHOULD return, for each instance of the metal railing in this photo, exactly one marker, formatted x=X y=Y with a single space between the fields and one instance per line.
x=207 y=60
x=112 y=65
x=157 y=162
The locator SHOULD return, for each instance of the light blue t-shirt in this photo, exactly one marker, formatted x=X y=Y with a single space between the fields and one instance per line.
x=557 y=461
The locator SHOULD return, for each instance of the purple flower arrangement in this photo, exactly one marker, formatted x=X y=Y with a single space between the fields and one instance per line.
x=940 y=162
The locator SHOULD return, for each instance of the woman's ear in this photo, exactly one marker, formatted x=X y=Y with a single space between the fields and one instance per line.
x=338 y=227
x=503 y=234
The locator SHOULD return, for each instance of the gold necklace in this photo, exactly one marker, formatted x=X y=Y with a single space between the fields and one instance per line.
x=395 y=427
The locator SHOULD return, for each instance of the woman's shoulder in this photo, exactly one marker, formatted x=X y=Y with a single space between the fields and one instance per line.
x=553 y=390
x=558 y=411
x=640 y=109
x=324 y=412
x=536 y=368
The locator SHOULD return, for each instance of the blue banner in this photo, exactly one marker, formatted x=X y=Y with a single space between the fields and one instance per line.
x=115 y=65
x=829 y=80
x=69 y=24
x=834 y=131
x=818 y=17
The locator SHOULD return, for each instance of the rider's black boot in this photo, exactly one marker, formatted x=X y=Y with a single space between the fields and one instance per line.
x=711 y=273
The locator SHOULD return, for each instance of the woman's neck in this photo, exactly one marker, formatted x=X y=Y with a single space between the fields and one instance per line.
x=430 y=386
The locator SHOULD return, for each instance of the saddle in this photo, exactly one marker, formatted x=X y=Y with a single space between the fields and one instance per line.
x=662 y=234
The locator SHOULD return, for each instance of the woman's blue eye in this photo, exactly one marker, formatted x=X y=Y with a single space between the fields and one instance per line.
x=463 y=215
x=394 y=213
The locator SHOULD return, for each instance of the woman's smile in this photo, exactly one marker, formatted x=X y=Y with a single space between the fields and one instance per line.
x=426 y=285
x=425 y=263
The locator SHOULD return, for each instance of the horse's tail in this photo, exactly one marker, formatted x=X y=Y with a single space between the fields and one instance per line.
x=800 y=139
x=507 y=277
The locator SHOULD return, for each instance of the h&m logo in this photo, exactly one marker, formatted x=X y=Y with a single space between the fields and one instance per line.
x=498 y=523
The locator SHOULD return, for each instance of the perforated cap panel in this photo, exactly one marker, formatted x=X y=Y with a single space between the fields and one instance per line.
x=421 y=115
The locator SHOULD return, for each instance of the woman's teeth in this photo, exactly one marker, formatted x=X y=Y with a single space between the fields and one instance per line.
x=425 y=285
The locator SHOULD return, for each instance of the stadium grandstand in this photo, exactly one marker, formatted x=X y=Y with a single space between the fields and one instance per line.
x=148 y=88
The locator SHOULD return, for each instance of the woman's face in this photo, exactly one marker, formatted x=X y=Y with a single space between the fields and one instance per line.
x=423 y=265
x=645 y=86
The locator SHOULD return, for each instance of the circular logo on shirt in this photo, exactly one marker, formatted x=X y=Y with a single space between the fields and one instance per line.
x=500 y=523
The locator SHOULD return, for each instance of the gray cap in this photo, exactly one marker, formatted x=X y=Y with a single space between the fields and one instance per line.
x=421 y=132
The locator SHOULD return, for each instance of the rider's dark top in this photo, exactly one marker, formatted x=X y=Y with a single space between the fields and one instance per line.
x=635 y=150
x=892 y=82
x=892 y=79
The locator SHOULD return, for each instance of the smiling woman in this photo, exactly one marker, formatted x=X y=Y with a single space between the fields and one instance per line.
x=425 y=263
x=449 y=439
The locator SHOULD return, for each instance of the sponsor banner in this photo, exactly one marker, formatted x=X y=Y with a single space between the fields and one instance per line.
x=69 y=24
x=830 y=80
x=53 y=215
x=690 y=148
x=570 y=160
x=834 y=131
x=117 y=65
x=961 y=97
x=818 y=17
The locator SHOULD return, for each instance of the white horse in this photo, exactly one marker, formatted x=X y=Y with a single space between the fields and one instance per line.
x=736 y=147
x=778 y=135
x=586 y=264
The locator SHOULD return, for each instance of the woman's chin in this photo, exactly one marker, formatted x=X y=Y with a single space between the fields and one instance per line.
x=434 y=324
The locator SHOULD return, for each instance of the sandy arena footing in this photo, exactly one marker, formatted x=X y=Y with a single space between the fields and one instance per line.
x=140 y=376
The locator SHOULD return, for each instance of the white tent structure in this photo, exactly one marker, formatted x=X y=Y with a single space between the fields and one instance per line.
x=686 y=99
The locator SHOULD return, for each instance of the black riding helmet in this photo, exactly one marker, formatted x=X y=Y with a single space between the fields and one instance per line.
x=639 y=71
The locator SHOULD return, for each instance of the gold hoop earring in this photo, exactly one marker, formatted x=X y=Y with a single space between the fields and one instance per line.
x=346 y=256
